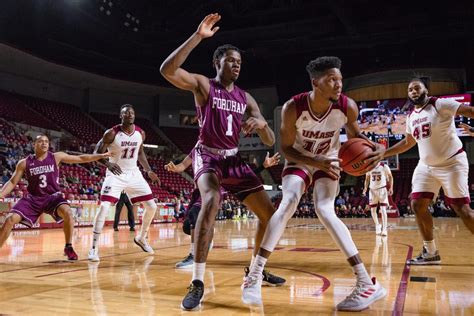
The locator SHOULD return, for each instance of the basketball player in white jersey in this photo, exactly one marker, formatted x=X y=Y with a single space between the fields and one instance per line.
x=310 y=127
x=125 y=143
x=443 y=162
x=380 y=178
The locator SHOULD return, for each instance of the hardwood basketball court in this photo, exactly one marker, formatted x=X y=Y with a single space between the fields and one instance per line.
x=35 y=278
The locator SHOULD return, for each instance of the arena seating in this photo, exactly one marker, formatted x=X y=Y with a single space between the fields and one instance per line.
x=13 y=109
x=184 y=138
x=67 y=117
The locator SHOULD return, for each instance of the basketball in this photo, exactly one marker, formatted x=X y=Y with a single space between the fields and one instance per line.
x=353 y=153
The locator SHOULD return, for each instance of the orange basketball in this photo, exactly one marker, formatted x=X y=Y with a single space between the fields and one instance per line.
x=353 y=153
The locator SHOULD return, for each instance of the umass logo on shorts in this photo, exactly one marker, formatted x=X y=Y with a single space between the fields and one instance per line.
x=107 y=189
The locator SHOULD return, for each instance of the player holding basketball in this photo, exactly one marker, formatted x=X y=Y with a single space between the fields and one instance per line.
x=380 y=178
x=221 y=106
x=125 y=142
x=443 y=162
x=41 y=170
x=310 y=127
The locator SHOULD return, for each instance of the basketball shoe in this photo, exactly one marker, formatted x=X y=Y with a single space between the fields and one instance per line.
x=362 y=296
x=424 y=258
x=192 y=300
x=186 y=262
x=252 y=290
x=143 y=243
x=268 y=278
x=93 y=255
x=70 y=253
x=378 y=229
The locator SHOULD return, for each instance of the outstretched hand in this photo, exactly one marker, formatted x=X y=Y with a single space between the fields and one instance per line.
x=466 y=129
x=206 y=28
x=271 y=161
x=171 y=167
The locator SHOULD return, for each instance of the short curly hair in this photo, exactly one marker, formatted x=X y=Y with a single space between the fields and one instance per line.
x=318 y=66
x=425 y=80
x=220 y=51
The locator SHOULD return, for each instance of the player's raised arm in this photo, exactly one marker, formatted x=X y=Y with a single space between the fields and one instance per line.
x=142 y=159
x=171 y=67
x=15 y=178
x=257 y=123
x=66 y=158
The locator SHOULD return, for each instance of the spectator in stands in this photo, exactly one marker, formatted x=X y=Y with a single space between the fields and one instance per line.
x=5 y=176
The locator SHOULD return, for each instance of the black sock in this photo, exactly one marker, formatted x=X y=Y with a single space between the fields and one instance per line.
x=68 y=245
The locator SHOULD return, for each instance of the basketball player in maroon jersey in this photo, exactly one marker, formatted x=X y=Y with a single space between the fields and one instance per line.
x=221 y=106
x=310 y=126
x=44 y=196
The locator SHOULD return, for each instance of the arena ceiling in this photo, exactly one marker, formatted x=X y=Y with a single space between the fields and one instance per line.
x=279 y=37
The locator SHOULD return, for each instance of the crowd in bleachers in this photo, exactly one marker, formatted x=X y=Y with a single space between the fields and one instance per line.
x=83 y=182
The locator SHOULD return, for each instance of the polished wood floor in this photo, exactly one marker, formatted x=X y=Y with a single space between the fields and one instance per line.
x=35 y=279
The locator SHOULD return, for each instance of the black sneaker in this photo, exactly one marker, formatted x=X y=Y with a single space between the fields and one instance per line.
x=424 y=258
x=192 y=300
x=268 y=278
x=186 y=262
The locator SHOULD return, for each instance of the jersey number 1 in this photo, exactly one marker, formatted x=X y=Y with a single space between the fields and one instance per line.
x=229 y=126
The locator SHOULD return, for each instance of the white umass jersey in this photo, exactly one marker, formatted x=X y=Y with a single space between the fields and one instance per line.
x=319 y=136
x=432 y=126
x=378 y=176
x=125 y=147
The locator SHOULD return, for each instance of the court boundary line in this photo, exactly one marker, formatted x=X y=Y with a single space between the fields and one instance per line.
x=403 y=285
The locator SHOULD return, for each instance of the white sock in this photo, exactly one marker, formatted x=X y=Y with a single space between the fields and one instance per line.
x=198 y=271
x=148 y=215
x=373 y=211
x=361 y=273
x=251 y=262
x=99 y=221
x=383 y=210
x=191 y=249
x=257 y=267
x=430 y=246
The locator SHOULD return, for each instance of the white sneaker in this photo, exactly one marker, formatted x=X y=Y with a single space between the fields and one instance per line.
x=93 y=255
x=362 y=296
x=384 y=232
x=143 y=243
x=252 y=290
x=378 y=229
